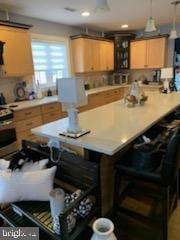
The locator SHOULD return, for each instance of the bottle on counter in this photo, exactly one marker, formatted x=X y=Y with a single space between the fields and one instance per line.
x=49 y=93
x=38 y=91
x=2 y=99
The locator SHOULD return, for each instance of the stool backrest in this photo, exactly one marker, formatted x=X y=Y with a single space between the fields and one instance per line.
x=171 y=161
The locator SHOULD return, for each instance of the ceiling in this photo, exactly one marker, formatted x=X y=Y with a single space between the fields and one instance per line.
x=132 y=12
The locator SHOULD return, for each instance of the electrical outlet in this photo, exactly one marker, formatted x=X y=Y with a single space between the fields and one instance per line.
x=54 y=143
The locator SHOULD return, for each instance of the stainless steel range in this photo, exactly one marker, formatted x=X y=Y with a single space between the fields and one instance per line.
x=8 y=145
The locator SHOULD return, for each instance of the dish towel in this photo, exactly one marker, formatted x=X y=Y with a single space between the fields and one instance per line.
x=1 y=52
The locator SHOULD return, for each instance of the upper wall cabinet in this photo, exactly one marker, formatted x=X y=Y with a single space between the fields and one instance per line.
x=106 y=56
x=91 y=55
x=149 y=53
x=85 y=55
x=17 y=52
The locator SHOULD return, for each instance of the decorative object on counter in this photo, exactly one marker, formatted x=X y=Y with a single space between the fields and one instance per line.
x=49 y=92
x=173 y=34
x=20 y=92
x=166 y=75
x=71 y=91
x=2 y=99
x=103 y=230
x=135 y=96
x=150 y=26
x=38 y=91
x=102 y=6
x=57 y=205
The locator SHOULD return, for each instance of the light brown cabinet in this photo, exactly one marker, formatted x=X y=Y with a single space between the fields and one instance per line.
x=91 y=55
x=106 y=56
x=33 y=117
x=17 y=52
x=51 y=112
x=85 y=55
x=149 y=53
x=24 y=121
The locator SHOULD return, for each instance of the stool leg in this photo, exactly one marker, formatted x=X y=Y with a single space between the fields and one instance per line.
x=116 y=192
x=165 y=214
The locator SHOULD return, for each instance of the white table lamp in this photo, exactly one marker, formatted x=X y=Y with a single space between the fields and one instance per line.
x=72 y=92
x=166 y=75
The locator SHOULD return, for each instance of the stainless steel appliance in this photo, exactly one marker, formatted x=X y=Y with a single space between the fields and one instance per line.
x=156 y=76
x=121 y=78
x=8 y=145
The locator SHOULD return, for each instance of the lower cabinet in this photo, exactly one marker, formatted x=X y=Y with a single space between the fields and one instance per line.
x=51 y=112
x=30 y=118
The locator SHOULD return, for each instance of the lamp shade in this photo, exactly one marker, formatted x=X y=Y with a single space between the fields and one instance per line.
x=102 y=5
x=150 y=26
x=166 y=73
x=173 y=34
x=71 y=90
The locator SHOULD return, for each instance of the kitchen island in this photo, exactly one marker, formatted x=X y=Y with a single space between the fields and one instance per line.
x=113 y=127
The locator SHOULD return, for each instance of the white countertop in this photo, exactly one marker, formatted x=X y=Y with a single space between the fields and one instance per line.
x=114 y=125
x=38 y=102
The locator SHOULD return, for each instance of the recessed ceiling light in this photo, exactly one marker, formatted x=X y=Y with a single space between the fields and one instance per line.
x=124 y=26
x=85 y=14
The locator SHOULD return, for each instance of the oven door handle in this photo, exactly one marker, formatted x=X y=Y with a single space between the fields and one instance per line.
x=5 y=123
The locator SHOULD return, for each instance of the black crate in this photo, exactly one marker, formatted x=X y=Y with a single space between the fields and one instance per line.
x=73 y=172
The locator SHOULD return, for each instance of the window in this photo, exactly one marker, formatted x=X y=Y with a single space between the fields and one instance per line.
x=50 y=62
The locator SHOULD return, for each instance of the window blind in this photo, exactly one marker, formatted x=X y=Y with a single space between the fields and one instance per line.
x=50 y=62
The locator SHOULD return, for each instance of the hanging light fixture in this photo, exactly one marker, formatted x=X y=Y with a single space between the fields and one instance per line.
x=173 y=34
x=102 y=6
x=150 y=26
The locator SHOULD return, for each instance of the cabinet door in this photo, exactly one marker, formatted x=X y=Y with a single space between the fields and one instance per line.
x=156 y=52
x=103 y=53
x=17 y=52
x=138 y=54
x=85 y=55
x=95 y=55
x=110 y=56
x=106 y=56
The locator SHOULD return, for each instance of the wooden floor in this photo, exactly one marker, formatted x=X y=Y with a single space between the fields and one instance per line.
x=137 y=233
x=174 y=225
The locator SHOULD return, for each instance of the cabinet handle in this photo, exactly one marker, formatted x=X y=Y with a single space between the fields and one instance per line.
x=28 y=113
x=51 y=108
x=29 y=124
x=92 y=68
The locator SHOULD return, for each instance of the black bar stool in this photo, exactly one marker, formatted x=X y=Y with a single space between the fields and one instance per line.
x=160 y=186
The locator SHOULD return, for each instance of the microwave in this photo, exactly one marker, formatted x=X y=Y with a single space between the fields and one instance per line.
x=121 y=78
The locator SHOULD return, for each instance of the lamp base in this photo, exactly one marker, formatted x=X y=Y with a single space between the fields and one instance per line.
x=74 y=135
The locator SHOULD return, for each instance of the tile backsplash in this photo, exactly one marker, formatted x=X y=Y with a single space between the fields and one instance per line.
x=95 y=80
x=7 y=86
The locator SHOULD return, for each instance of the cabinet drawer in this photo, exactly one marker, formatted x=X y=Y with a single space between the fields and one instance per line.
x=96 y=100
x=52 y=116
x=51 y=107
x=27 y=113
x=28 y=124
x=25 y=135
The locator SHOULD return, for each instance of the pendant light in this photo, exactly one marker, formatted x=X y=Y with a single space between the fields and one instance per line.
x=102 y=6
x=150 y=26
x=173 y=34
